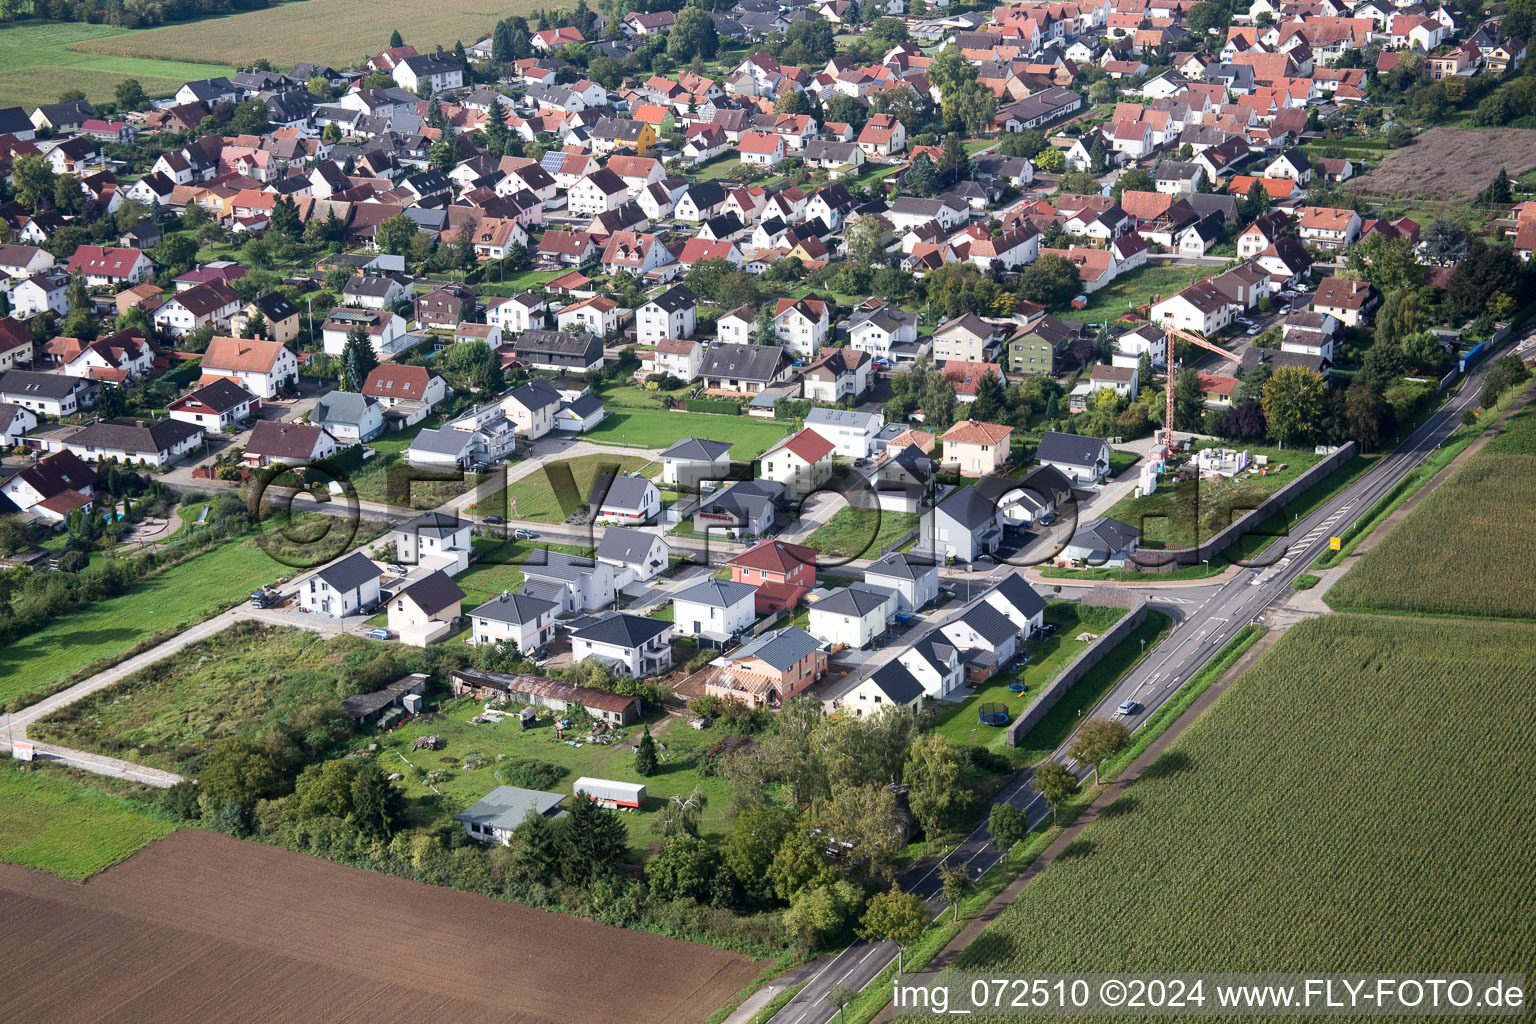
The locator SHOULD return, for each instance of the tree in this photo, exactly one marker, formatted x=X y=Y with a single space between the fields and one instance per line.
x=1188 y=400
x=1444 y=242
x=865 y=817
x=1255 y=202
x=1079 y=182
x=682 y=870
x=935 y=779
x=991 y=399
x=376 y=802
x=752 y=844
x=955 y=162
x=1050 y=160
x=1144 y=370
x=800 y=864
x=1134 y=181
x=1504 y=373
x=1050 y=281
x=1386 y=264
x=394 y=235
x=1099 y=738
x=1027 y=143
x=1370 y=419
x=1207 y=18
x=645 y=755
x=765 y=329
x=844 y=108
x=285 y=218
x=920 y=178
x=1243 y=422
x=692 y=35
x=1487 y=271
x=241 y=771
x=970 y=106
x=864 y=242
x=1293 y=404
x=395 y=41
x=255 y=326
x=1383 y=364
x=1422 y=351
x=1007 y=824
x=130 y=95
x=1056 y=783
x=895 y=916
x=949 y=69
x=956 y=884
x=818 y=914
x=838 y=997
x=77 y=294
x=536 y=842
x=33 y=181
x=593 y=842
x=1500 y=192
x=358 y=359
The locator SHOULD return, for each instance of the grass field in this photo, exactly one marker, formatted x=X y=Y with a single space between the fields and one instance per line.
x=500 y=567
x=1190 y=513
x=68 y=828
x=536 y=496
x=1047 y=658
x=1137 y=288
x=340 y=32
x=37 y=65
x=1467 y=548
x=237 y=682
x=1360 y=797
x=862 y=532
x=658 y=428
x=386 y=476
x=498 y=742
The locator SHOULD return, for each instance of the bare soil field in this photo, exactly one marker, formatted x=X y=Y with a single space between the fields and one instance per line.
x=339 y=32
x=1451 y=163
x=202 y=927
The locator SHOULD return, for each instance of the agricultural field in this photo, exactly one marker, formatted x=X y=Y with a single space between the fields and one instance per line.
x=307 y=30
x=38 y=64
x=862 y=532
x=69 y=828
x=1186 y=514
x=248 y=680
x=1450 y=163
x=201 y=920
x=535 y=496
x=1467 y=548
x=506 y=750
x=1047 y=659
x=1382 y=823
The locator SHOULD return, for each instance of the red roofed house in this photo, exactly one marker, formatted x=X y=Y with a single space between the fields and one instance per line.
x=1217 y=390
x=406 y=392
x=975 y=448
x=104 y=265
x=59 y=484
x=801 y=462
x=782 y=573
x=761 y=149
x=883 y=135
x=965 y=377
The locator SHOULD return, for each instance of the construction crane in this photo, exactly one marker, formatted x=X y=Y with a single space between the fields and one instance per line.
x=1173 y=333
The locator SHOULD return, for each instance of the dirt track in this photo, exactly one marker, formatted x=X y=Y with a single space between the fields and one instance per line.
x=201 y=927
x=1447 y=163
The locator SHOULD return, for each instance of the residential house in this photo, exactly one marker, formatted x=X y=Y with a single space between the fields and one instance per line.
x=527 y=622
x=405 y=392
x=280 y=315
x=914 y=580
x=1201 y=308
x=852 y=434
x=522 y=312
x=55 y=486
x=969 y=339
x=692 y=461
x=349 y=417
x=881 y=329
x=961 y=528
x=782 y=572
x=445 y=307
x=627 y=644
x=1103 y=542
x=837 y=374
x=1350 y=302
x=217 y=406
x=636 y=556
x=672 y=314
x=852 y=617
x=275 y=442
x=105 y=266
x=1327 y=228
x=598 y=316
x=769 y=670
x=562 y=350
x=715 y=611
x=973 y=448
x=494 y=817
x=53 y=394
x=434 y=540
x=743 y=369
x=1081 y=459
x=674 y=357
x=426 y=609
x=385 y=330
x=801 y=462
x=578 y=583
x=531 y=409
x=212 y=302
x=159 y=444
x=343 y=588
x=624 y=499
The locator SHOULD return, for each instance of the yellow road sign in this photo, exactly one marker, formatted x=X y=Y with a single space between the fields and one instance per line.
x=1333 y=544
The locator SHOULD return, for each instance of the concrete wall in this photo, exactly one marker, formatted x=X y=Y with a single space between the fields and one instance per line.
x=1163 y=559
x=1095 y=652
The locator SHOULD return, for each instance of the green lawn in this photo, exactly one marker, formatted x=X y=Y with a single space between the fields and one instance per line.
x=519 y=281
x=535 y=495
x=69 y=828
x=249 y=680
x=36 y=65
x=373 y=478
x=1137 y=289
x=678 y=747
x=862 y=532
x=658 y=428
x=1047 y=658
x=1181 y=515
x=500 y=567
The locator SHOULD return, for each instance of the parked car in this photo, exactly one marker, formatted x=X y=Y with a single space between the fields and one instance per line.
x=380 y=634
x=493 y=520
x=1251 y=331
x=522 y=534
x=1129 y=707
x=398 y=570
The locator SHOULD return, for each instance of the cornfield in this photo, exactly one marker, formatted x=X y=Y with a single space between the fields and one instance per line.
x=1468 y=548
x=1359 y=801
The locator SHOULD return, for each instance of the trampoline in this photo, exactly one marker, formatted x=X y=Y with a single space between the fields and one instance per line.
x=993 y=714
x=1017 y=687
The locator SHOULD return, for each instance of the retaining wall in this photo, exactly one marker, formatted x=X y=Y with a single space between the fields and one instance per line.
x=1080 y=665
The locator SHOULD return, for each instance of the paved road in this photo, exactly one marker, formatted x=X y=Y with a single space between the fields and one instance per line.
x=1205 y=618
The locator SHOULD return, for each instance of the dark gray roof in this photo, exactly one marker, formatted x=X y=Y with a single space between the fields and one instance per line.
x=1071 y=449
x=897 y=683
x=433 y=592
x=341 y=407
x=621 y=630
x=993 y=626
x=1106 y=535
x=849 y=601
x=432 y=524
x=536 y=395
x=559 y=566
x=743 y=362
x=696 y=449
x=1017 y=592
x=969 y=508
x=583 y=405
x=34 y=384
x=626 y=492
x=900 y=566
x=631 y=547
x=156 y=437
x=716 y=593
x=505 y=807
x=221 y=395
x=514 y=608
x=585 y=348
x=1048 y=483
x=675 y=298
x=350 y=573
x=442 y=441
x=782 y=648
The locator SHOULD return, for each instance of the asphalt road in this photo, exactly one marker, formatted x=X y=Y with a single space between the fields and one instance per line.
x=1205 y=618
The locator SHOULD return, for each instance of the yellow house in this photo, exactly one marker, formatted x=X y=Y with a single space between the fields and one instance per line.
x=425 y=610
x=282 y=317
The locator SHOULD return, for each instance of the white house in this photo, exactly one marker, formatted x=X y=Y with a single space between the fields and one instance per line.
x=436 y=540
x=634 y=554
x=628 y=644
x=692 y=461
x=852 y=616
x=803 y=324
x=851 y=433
x=580 y=584
x=914 y=581
x=386 y=331
x=526 y=621
x=672 y=314
x=157 y=444
x=341 y=589
x=714 y=609
x=1200 y=308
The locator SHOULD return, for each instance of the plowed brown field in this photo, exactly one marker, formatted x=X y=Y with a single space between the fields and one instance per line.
x=201 y=927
